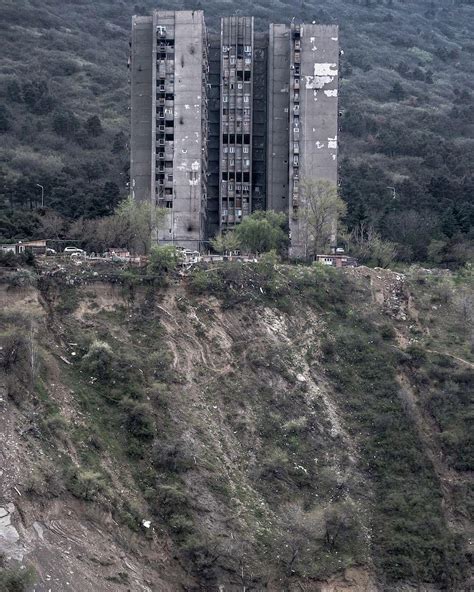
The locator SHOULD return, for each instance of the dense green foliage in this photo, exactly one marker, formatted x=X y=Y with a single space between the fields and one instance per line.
x=407 y=111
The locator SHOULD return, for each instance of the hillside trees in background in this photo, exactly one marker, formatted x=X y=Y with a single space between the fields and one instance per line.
x=407 y=111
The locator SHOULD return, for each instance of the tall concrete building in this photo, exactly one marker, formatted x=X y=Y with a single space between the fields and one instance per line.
x=303 y=119
x=236 y=99
x=169 y=70
x=238 y=122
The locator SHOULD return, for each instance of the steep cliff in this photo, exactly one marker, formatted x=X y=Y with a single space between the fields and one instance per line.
x=246 y=427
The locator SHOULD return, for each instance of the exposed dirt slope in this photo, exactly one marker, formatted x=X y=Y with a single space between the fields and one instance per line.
x=203 y=446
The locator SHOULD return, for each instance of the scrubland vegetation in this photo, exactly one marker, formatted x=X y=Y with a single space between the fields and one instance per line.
x=252 y=447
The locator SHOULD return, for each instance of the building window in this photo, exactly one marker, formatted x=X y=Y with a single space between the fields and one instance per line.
x=246 y=149
x=246 y=99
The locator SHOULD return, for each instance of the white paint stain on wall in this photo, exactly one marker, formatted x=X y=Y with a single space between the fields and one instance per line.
x=319 y=144
x=331 y=93
x=332 y=143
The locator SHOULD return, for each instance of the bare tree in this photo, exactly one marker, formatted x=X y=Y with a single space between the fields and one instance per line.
x=319 y=214
x=366 y=244
x=52 y=225
x=132 y=226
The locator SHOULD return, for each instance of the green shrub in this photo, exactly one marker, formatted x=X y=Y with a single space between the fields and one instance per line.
x=138 y=419
x=171 y=499
x=163 y=260
x=387 y=332
x=85 y=484
x=54 y=425
x=417 y=354
x=173 y=457
x=98 y=361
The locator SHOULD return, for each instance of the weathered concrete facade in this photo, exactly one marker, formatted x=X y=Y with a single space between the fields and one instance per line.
x=314 y=61
x=176 y=47
x=226 y=126
x=303 y=118
x=278 y=117
x=237 y=53
x=141 y=77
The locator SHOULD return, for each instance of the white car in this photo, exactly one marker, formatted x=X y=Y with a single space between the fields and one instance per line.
x=71 y=250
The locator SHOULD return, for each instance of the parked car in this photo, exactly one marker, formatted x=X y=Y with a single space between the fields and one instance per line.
x=50 y=251
x=70 y=250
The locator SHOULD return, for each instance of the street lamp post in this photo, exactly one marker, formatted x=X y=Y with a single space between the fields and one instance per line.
x=42 y=194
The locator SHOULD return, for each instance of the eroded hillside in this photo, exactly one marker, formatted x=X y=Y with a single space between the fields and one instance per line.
x=246 y=427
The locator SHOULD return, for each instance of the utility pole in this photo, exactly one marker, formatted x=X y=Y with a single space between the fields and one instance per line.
x=42 y=194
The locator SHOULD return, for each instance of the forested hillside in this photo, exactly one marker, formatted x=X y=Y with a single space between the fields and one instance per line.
x=407 y=111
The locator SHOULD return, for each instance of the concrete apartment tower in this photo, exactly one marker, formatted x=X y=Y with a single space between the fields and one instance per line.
x=303 y=119
x=270 y=128
x=169 y=70
x=236 y=100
